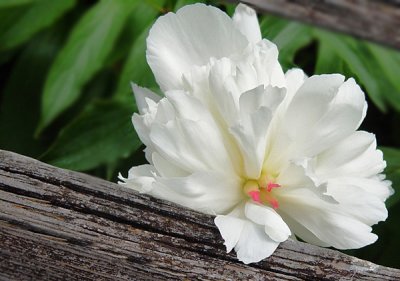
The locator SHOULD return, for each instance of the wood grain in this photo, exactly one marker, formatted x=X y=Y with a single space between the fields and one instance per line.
x=375 y=20
x=58 y=224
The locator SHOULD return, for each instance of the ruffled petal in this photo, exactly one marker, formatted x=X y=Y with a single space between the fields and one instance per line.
x=261 y=96
x=355 y=156
x=273 y=224
x=259 y=65
x=230 y=228
x=296 y=176
x=250 y=131
x=245 y=19
x=166 y=168
x=140 y=178
x=302 y=231
x=264 y=59
x=254 y=245
x=192 y=36
x=344 y=110
x=354 y=162
x=207 y=192
x=224 y=89
x=186 y=143
x=249 y=239
x=161 y=112
x=295 y=78
x=251 y=136
x=323 y=112
x=354 y=201
x=180 y=131
x=331 y=223
x=189 y=107
x=375 y=186
x=146 y=100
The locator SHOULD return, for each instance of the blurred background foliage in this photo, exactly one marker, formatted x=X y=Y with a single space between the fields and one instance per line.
x=65 y=96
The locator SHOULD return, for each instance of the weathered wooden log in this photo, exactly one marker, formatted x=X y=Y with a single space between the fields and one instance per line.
x=58 y=224
x=375 y=20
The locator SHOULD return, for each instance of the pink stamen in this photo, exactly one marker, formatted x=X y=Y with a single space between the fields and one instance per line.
x=255 y=195
x=274 y=203
x=267 y=198
x=272 y=185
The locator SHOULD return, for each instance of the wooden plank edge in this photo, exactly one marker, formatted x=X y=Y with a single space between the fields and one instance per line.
x=36 y=193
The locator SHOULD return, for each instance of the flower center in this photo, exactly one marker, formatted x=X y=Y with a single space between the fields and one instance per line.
x=260 y=191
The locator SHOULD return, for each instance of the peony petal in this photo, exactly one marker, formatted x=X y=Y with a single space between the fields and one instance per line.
x=142 y=124
x=250 y=131
x=295 y=78
x=355 y=202
x=376 y=186
x=264 y=59
x=230 y=228
x=207 y=192
x=254 y=245
x=345 y=113
x=181 y=133
x=302 y=232
x=224 y=89
x=257 y=71
x=274 y=226
x=251 y=136
x=166 y=168
x=259 y=65
x=249 y=239
x=145 y=99
x=296 y=176
x=330 y=223
x=310 y=103
x=355 y=155
x=162 y=113
x=189 y=107
x=245 y=19
x=322 y=113
x=186 y=143
x=270 y=97
x=192 y=36
x=140 y=178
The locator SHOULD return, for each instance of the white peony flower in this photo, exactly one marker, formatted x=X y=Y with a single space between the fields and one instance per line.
x=273 y=156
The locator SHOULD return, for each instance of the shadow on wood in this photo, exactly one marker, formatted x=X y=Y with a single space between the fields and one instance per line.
x=58 y=224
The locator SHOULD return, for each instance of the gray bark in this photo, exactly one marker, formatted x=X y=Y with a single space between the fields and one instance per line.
x=58 y=224
x=375 y=20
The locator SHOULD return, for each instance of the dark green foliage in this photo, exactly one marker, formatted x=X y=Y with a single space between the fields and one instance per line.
x=66 y=68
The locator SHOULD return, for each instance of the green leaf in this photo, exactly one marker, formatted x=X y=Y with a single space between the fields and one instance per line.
x=37 y=16
x=271 y=26
x=288 y=44
x=135 y=67
x=389 y=62
x=20 y=103
x=392 y=157
x=145 y=14
x=180 y=3
x=357 y=58
x=9 y=16
x=280 y=31
x=102 y=134
x=327 y=60
x=13 y=3
x=83 y=55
